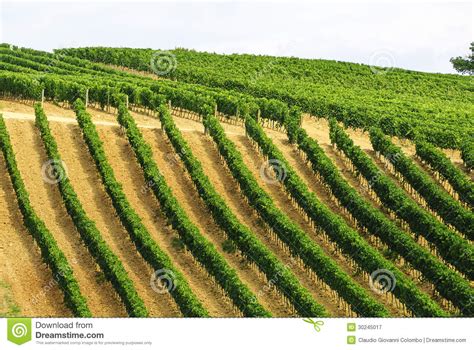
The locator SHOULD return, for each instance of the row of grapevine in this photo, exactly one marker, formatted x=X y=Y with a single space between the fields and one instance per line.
x=441 y=164
x=20 y=85
x=450 y=210
x=106 y=89
x=15 y=68
x=40 y=67
x=67 y=89
x=349 y=241
x=241 y=235
x=294 y=237
x=46 y=62
x=403 y=103
x=451 y=247
x=105 y=258
x=467 y=154
x=447 y=282
x=146 y=246
x=50 y=252
x=202 y=249
x=229 y=103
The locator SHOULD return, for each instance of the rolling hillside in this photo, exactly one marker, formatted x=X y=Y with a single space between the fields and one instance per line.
x=232 y=186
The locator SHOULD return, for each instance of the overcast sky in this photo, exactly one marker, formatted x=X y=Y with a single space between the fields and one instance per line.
x=419 y=36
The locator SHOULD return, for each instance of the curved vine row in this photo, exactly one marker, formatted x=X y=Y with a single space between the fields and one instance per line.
x=50 y=252
x=448 y=283
x=438 y=162
x=448 y=208
x=201 y=249
x=105 y=258
x=188 y=303
x=451 y=247
x=350 y=242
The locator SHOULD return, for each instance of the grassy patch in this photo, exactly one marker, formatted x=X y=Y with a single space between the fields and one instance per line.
x=8 y=307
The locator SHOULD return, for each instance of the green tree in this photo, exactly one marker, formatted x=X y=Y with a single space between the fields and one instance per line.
x=464 y=65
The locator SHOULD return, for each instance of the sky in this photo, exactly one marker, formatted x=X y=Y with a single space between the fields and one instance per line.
x=421 y=36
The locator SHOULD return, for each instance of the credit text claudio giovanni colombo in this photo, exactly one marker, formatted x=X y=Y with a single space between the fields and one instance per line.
x=411 y=340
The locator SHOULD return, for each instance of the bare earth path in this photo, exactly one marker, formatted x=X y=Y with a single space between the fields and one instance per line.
x=129 y=174
x=203 y=148
x=254 y=161
x=87 y=183
x=47 y=201
x=188 y=197
x=22 y=271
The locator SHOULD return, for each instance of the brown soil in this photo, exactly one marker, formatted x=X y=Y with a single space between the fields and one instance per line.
x=101 y=297
x=54 y=110
x=308 y=177
x=47 y=201
x=21 y=266
x=254 y=161
x=319 y=129
x=221 y=178
x=129 y=174
x=442 y=184
x=189 y=199
x=88 y=186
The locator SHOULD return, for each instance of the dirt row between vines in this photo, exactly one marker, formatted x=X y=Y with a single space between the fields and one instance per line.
x=48 y=204
x=22 y=271
x=221 y=178
x=86 y=181
x=129 y=174
x=297 y=162
x=189 y=199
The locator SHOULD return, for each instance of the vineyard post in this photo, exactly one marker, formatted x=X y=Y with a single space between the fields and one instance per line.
x=87 y=97
x=42 y=98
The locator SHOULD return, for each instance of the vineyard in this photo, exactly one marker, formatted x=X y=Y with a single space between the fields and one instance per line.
x=232 y=186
